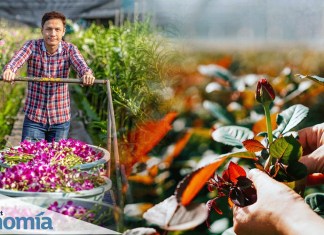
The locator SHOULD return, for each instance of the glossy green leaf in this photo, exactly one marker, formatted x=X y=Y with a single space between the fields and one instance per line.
x=232 y=135
x=290 y=118
x=219 y=112
x=281 y=175
x=297 y=170
x=287 y=149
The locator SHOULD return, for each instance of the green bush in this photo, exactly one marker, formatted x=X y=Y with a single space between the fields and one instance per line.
x=136 y=61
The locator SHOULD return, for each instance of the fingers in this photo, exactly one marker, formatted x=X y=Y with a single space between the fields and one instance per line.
x=259 y=178
x=311 y=138
x=88 y=79
x=314 y=161
x=8 y=76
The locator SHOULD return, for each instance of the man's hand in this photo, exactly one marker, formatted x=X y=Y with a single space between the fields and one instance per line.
x=278 y=210
x=88 y=79
x=312 y=140
x=8 y=76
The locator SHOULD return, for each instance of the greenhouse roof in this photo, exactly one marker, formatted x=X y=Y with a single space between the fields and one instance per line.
x=31 y=12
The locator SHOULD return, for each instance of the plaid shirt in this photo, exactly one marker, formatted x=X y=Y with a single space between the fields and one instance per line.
x=48 y=102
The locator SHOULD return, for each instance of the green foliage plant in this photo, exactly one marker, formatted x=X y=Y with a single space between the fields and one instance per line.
x=279 y=150
x=11 y=94
x=136 y=61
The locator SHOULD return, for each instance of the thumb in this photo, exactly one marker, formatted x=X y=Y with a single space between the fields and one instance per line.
x=259 y=178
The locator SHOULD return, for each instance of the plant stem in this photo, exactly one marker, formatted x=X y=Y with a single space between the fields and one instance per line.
x=266 y=107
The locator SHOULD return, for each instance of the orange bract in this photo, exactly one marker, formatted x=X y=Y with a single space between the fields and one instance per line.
x=178 y=148
x=144 y=138
x=150 y=134
x=190 y=186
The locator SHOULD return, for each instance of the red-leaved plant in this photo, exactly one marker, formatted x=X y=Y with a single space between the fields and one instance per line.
x=275 y=151
x=233 y=184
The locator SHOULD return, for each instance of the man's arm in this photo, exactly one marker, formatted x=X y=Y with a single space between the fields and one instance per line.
x=81 y=66
x=17 y=61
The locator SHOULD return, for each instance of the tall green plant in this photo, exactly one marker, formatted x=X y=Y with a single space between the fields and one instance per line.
x=135 y=60
x=11 y=39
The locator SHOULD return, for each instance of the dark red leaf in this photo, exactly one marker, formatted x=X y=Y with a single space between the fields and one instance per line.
x=211 y=204
x=243 y=197
x=243 y=182
x=226 y=175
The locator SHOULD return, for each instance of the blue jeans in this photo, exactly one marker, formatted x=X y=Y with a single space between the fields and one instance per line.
x=34 y=131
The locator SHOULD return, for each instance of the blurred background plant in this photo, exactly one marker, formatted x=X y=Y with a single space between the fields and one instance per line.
x=136 y=61
x=11 y=39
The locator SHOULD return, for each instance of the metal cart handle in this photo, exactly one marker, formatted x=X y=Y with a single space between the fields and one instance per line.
x=55 y=80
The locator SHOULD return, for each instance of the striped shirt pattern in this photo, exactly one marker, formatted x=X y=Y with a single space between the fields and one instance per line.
x=48 y=102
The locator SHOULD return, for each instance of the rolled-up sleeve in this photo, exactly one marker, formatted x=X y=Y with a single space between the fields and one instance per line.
x=77 y=61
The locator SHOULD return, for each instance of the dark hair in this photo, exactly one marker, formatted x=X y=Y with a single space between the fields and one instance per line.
x=53 y=15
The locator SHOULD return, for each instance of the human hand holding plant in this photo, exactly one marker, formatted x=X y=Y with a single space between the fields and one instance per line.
x=277 y=154
x=267 y=216
x=283 y=153
x=278 y=210
x=312 y=140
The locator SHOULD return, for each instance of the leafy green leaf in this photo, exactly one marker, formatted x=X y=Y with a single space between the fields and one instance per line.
x=287 y=149
x=297 y=170
x=290 y=118
x=281 y=175
x=219 y=112
x=232 y=135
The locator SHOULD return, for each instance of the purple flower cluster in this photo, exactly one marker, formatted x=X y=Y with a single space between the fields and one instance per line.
x=59 y=150
x=50 y=168
x=71 y=209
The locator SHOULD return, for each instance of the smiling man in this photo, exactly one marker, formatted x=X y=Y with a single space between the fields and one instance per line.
x=47 y=106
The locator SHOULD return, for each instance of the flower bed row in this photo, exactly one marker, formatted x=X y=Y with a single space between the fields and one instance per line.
x=49 y=167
